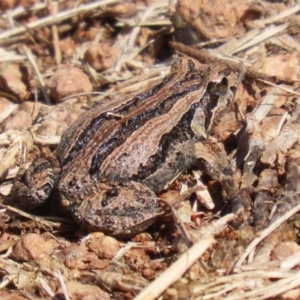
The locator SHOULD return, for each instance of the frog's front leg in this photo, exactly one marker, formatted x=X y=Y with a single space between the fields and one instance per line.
x=32 y=187
x=118 y=209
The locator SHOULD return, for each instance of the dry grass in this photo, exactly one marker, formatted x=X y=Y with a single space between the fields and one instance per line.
x=249 y=266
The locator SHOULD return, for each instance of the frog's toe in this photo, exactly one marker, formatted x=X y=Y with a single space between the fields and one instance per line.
x=33 y=187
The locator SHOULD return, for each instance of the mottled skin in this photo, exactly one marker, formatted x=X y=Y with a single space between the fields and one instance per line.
x=111 y=162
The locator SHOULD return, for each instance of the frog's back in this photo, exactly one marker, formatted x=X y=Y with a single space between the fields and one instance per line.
x=137 y=125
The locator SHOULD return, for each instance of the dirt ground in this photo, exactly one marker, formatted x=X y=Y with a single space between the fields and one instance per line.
x=230 y=225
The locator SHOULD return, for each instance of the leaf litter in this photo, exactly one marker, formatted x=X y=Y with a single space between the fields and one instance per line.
x=239 y=238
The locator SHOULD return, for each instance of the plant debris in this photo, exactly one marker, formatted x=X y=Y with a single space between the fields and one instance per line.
x=237 y=236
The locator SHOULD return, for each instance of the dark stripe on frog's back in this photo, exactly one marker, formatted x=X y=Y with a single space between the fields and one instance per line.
x=80 y=132
x=137 y=119
x=180 y=133
x=78 y=135
x=176 y=154
x=132 y=125
x=135 y=113
x=171 y=152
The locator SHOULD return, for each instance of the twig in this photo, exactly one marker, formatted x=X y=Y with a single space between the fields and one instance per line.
x=265 y=233
x=53 y=9
x=284 y=14
x=262 y=36
x=280 y=87
x=46 y=287
x=50 y=20
x=34 y=65
x=31 y=217
x=62 y=284
x=175 y=271
x=272 y=290
x=205 y=57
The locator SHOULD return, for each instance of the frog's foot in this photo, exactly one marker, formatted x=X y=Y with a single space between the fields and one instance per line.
x=32 y=187
x=123 y=209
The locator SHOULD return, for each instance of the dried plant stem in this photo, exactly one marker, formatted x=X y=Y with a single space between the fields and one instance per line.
x=265 y=233
x=176 y=270
x=284 y=14
x=50 y=20
x=53 y=9
x=34 y=65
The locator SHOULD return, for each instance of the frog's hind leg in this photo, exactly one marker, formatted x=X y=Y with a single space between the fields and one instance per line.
x=120 y=209
x=32 y=187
